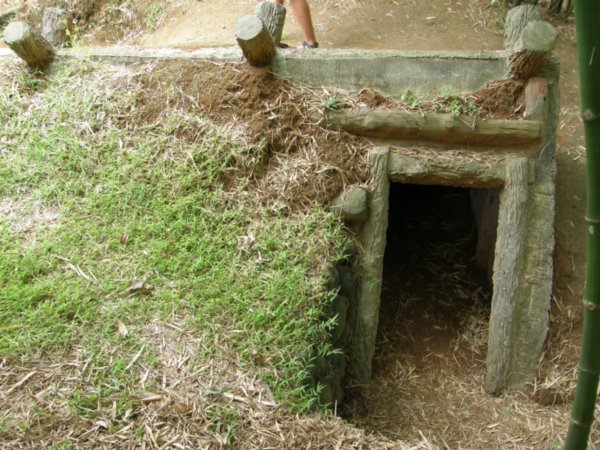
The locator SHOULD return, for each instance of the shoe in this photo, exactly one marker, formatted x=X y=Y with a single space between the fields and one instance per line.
x=283 y=45
x=307 y=46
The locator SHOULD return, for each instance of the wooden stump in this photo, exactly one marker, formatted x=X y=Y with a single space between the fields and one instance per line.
x=529 y=41
x=516 y=20
x=55 y=23
x=530 y=52
x=255 y=41
x=29 y=45
x=272 y=16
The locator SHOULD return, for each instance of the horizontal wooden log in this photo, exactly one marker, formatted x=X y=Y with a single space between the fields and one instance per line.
x=29 y=45
x=255 y=41
x=446 y=169
x=272 y=15
x=431 y=127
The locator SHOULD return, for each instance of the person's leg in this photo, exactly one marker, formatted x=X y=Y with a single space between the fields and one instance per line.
x=302 y=13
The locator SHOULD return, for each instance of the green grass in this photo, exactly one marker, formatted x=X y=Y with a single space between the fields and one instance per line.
x=142 y=200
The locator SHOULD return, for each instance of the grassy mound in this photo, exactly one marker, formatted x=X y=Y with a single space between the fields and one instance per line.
x=142 y=277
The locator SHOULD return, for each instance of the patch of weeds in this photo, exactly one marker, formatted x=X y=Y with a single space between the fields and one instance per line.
x=154 y=15
x=73 y=33
x=411 y=99
x=224 y=421
x=455 y=105
x=31 y=81
x=6 y=421
x=65 y=445
x=333 y=103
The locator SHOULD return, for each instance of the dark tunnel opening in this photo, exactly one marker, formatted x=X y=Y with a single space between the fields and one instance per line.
x=435 y=305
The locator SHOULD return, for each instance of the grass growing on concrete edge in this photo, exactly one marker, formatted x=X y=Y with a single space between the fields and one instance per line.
x=119 y=239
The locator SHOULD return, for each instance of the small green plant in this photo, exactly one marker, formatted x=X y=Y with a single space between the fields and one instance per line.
x=333 y=103
x=225 y=421
x=455 y=105
x=32 y=81
x=72 y=31
x=409 y=97
x=154 y=15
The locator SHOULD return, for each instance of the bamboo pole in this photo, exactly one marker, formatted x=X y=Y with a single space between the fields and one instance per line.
x=587 y=13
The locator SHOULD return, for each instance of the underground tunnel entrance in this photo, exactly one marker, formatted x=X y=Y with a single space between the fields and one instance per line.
x=434 y=311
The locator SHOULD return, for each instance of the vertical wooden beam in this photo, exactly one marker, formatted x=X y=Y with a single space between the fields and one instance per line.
x=508 y=269
x=373 y=239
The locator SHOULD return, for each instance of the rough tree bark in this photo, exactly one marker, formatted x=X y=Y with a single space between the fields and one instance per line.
x=529 y=41
x=55 y=23
x=516 y=20
x=435 y=127
x=29 y=45
x=255 y=41
x=272 y=16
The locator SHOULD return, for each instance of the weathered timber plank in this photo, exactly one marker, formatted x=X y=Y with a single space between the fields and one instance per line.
x=433 y=127
x=536 y=99
x=444 y=171
x=508 y=268
x=55 y=23
x=373 y=239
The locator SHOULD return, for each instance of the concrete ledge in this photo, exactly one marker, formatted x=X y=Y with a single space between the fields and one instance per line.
x=6 y=53
x=130 y=54
x=425 y=73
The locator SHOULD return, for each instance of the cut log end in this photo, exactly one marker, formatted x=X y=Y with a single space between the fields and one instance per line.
x=255 y=41
x=29 y=45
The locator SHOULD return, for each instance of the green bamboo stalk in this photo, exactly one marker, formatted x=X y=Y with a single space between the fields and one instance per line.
x=587 y=18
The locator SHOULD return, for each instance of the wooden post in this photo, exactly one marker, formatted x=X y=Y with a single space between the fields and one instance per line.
x=255 y=40
x=536 y=99
x=29 y=45
x=272 y=16
x=373 y=239
x=516 y=20
x=532 y=49
x=529 y=41
x=55 y=23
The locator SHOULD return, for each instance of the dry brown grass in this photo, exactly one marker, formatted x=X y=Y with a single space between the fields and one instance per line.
x=183 y=402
